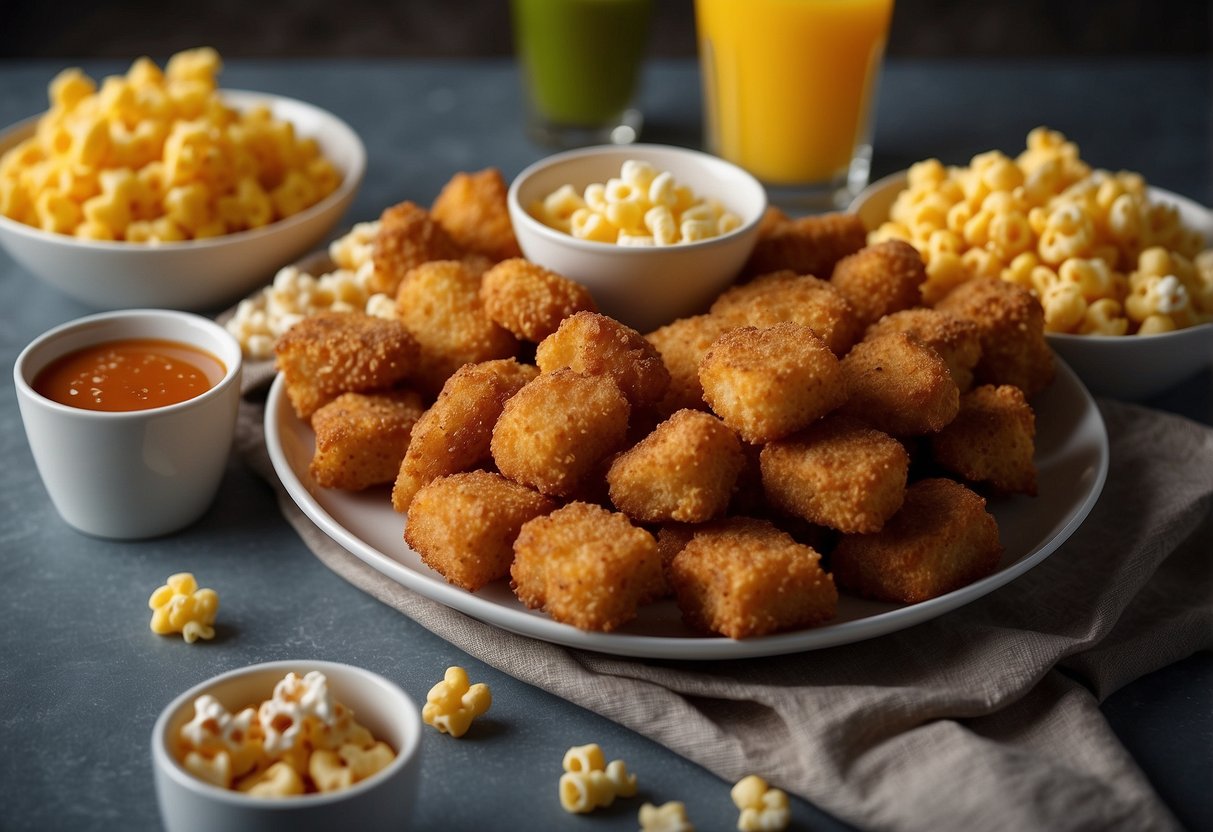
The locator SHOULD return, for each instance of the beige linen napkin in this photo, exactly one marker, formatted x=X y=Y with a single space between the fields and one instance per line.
x=985 y=718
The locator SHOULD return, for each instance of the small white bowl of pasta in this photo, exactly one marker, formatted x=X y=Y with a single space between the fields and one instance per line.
x=361 y=782
x=643 y=283
x=1125 y=366
x=191 y=274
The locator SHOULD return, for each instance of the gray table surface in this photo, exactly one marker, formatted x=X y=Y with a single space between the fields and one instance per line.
x=81 y=676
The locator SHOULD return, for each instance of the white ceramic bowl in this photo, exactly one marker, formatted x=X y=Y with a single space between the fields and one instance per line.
x=1126 y=367
x=140 y=473
x=380 y=803
x=643 y=287
x=193 y=274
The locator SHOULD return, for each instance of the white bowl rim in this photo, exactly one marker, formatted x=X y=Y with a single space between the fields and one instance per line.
x=561 y=237
x=349 y=181
x=167 y=763
x=232 y=369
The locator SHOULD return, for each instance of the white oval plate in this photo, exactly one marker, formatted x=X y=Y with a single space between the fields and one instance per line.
x=1072 y=463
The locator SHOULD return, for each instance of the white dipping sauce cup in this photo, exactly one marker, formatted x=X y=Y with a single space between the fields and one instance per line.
x=139 y=473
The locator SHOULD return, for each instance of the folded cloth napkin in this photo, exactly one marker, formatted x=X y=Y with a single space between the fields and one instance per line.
x=985 y=718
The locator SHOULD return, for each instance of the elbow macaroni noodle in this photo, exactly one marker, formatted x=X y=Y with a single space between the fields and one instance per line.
x=179 y=606
x=452 y=704
x=300 y=740
x=589 y=782
x=668 y=817
x=763 y=809
x=642 y=207
x=1101 y=257
x=156 y=156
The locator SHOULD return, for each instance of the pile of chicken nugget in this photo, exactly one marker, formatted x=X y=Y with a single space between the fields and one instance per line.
x=817 y=429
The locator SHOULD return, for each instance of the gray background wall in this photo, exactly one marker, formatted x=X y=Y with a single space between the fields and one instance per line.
x=481 y=28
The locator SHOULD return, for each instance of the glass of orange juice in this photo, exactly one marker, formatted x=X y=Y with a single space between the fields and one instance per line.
x=580 y=62
x=789 y=91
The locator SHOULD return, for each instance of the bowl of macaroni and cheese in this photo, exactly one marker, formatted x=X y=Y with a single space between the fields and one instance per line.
x=288 y=745
x=654 y=232
x=1123 y=271
x=158 y=189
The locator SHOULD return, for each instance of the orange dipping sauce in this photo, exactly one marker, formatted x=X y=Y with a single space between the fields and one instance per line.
x=134 y=374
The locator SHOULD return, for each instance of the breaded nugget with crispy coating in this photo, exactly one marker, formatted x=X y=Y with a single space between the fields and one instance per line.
x=682 y=346
x=881 y=279
x=684 y=470
x=408 y=236
x=556 y=429
x=440 y=304
x=991 y=441
x=787 y=296
x=454 y=434
x=899 y=385
x=595 y=345
x=529 y=300
x=1010 y=324
x=585 y=566
x=838 y=473
x=463 y=526
x=769 y=383
x=361 y=438
x=807 y=245
x=472 y=208
x=743 y=577
x=955 y=339
x=941 y=539
x=330 y=353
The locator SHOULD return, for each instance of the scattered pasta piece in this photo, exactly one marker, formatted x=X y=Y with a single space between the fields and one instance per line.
x=668 y=817
x=763 y=809
x=181 y=607
x=452 y=704
x=642 y=207
x=589 y=782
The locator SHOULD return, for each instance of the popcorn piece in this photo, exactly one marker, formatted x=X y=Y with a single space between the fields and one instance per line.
x=763 y=809
x=181 y=607
x=452 y=704
x=335 y=770
x=588 y=783
x=284 y=716
x=669 y=817
x=215 y=732
x=279 y=780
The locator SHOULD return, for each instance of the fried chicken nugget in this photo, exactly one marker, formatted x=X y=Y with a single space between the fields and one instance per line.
x=682 y=346
x=955 y=339
x=900 y=385
x=743 y=577
x=595 y=345
x=361 y=438
x=941 y=539
x=838 y=473
x=454 y=434
x=440 y=304
x=807 y=245
x=330 y=353
x=529 y=300
x=992 y=440
x=769 y=383
x=585 y=566
x=463 y=525
x=1010 y=323
x=787 y=296
x=408 y=236
x=556 y=429
x=684 y=470
x=472 y=208
x=880 y=279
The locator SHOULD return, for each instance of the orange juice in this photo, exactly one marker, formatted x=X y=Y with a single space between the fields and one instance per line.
x=788 y=83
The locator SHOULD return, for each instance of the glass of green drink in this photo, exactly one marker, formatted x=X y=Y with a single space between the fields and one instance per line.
x=580 y=63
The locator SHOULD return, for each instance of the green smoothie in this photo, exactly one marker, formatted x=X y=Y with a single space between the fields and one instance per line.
x=580 y=58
